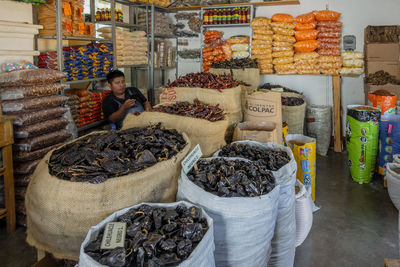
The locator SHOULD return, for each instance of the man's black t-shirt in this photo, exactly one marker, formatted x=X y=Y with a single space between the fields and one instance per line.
x=112 y=103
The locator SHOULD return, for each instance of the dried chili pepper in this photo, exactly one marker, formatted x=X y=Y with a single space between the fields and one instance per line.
x=155 y=236
x=205 y=80
x=98 y=157
x=197 y=109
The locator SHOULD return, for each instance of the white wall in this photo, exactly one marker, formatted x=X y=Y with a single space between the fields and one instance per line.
x=356 y=15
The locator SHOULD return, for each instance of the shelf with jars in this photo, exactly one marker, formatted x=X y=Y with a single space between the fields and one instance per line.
x=235 y=16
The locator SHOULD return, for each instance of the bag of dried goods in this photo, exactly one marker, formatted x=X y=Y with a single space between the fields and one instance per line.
x=281 y=17
x=305 y=26
x=305 y=18
x=113 y=185
x=281 y=162
x=283 y=38
x=256 y=207
x=282 y=60
x=306 y=46
x=283 y=31
x=327 y=15
x=306 y=35
x=283 y=25
x=260 y=21
x=190 y=244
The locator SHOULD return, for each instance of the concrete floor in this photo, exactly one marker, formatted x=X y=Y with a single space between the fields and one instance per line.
x=356 y=225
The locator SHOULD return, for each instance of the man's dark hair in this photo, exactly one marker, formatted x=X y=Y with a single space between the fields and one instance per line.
x=114 y=74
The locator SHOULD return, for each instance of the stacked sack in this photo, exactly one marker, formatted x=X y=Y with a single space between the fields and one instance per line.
x=306 y=60
x=40 y=124
x=214 y=50
x=73 y=103
x=239 y=45
x=81 y=62
x=282 y=45
x=131 y=47
x=330 y=31
x=353 y=63
x=261 y=47
x=72 y=17
x=162 y=23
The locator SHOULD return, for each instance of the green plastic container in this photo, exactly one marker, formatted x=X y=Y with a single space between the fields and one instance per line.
x=362 y=135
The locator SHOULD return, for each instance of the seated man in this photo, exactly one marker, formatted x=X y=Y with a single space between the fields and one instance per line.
x=122 y=100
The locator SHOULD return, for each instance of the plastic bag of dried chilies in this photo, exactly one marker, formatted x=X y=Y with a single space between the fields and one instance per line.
x=281 y=162
x=193 y=245
x=244 y=213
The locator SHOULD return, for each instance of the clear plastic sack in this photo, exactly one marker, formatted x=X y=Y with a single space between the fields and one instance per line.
x=305 y=18
x=285 y=67
x=329 y=40
x=306 y=46
x=282 y=48
x=262 y=47
x=19 y=92
x=283 y=31
x=283 y=38
x=282 y=61
x=305 y=56
x=305 y=27
x=326 y=29
x=26 y=168
x=33 y=103
x=352 y=55
x=260 y=21
x=329 y=52
x=306 y=61
x=239 y=39
x=329 y=35
x=329 y=59
x=41 y=141
x=283 y=25
x=330 y=71
x=282 y=44
x=306 y=35
x=40 y=128
x=262 y=51
x=261 y=42
x=240 y=54
x=262 y=37
x=335 y=65
x=39 y=116
x=33 y=76
x=34 y=155
x=329 y=24
x=353 y=63
x=282 y=17
x=283 y=54
x=262 y=31
x=323 y=45
x=351 y=71
x=266 y=71
x=239 y=47
x=324 y=15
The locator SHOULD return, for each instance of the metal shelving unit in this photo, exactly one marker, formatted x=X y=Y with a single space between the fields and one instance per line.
x=86 y=80
x=151 y=39
x=238 y=25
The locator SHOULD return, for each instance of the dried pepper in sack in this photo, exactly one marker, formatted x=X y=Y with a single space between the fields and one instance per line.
x=362 y=130
x=304 y=151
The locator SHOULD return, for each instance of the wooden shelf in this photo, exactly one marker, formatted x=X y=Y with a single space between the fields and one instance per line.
x=255 y=4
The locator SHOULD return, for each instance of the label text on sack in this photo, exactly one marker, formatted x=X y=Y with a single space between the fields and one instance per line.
x=260 y=108
x=191 y=159
x=114 y=235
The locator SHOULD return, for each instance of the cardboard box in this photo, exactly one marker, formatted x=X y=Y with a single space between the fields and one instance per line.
x=265 y=107
x=392 y=88
x=256 y=131
x=392 y=67
x=382 y=52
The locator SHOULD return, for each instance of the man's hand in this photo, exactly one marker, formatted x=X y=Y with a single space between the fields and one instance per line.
x=128 y=104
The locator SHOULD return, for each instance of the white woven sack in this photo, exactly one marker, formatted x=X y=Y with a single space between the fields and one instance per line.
x=283 y=243
x=202 y=255
x=393 y=183
x=243 y=226
x=396 y=158
x=304 y=214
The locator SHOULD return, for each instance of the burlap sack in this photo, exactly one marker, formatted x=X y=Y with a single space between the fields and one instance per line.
x=210 y=135
x=229 y=100
x=60 y=213
x=250 y=76
x=294 y=115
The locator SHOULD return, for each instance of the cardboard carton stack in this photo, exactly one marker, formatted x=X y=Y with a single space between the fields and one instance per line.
x=382 y=53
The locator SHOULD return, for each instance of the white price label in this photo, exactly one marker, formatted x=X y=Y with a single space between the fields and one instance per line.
x=114 y=235
x=191 y=159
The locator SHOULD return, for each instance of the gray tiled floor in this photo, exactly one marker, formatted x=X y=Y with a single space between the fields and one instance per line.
x=356 y=225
